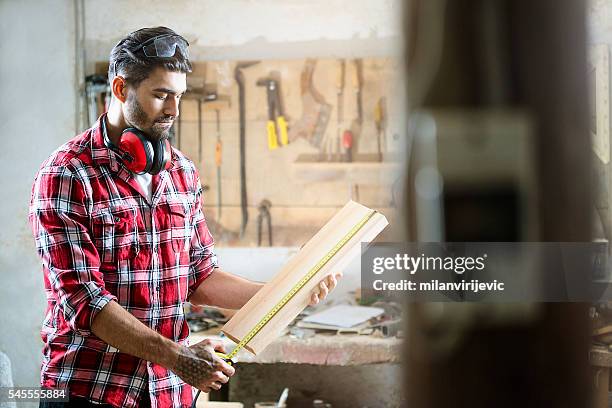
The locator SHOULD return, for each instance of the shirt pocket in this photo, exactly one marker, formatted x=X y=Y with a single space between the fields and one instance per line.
x=178 y=220
x=115 y=233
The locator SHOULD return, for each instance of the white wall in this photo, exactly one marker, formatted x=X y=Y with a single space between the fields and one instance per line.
x=599 y=24
x=38 y=114
x=254 y=29
x=261 y=264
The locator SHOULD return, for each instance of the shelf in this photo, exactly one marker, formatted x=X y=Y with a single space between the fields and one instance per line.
x=365 y=169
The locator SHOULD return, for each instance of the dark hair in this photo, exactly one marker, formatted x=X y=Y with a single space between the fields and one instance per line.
x=135 y=66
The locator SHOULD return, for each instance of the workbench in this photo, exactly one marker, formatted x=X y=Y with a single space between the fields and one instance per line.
x=322 y=348
x=344 y=369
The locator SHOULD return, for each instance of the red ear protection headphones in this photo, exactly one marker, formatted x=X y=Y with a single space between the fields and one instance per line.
x=139 y=154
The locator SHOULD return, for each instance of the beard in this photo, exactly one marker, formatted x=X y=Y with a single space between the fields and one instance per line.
x=136 y=117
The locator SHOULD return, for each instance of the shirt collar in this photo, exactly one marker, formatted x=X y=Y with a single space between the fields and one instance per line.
x=100 y=153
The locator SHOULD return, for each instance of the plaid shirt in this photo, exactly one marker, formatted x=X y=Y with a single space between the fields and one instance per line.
x=100 y=240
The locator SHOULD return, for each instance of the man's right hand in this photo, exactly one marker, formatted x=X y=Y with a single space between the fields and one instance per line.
x=199 y=366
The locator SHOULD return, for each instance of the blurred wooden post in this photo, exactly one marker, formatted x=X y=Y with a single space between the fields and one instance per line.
x=540 y=362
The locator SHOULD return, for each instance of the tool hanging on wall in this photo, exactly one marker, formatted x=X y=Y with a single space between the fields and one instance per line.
x=276 y=119
x=340 y=79
x=330 y=143
x=358 y=84
x=205 y=95
x=347 y=145
x=202 y=98
x=315 y=111
x=221 y=102
x=351 y=143
x=380 y=119
x=264 y=214
x=218 y=157
x=202 y=93
x=282 y=118
x=199 y=131
x=239 y=77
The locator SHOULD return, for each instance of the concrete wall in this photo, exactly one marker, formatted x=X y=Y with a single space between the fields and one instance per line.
x=38 y=114
x=600 y=22
x=249 y=29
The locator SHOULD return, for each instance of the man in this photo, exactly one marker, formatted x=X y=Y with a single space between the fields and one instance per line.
x=122 y=251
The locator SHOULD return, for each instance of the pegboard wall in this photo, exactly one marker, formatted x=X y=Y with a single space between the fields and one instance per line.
x=305 y=188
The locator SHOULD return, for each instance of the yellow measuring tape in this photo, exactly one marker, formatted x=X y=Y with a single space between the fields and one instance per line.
x=257 y=328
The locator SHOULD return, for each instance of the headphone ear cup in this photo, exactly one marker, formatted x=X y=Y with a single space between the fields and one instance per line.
x=139 y=150
x=162 y=156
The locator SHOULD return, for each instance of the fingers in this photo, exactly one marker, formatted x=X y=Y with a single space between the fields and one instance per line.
x=331 y=282
x=216 y=380
x=226 y=368
x=317 y=297
x=219 y=377
x=323 y=290
x=325 y=286
x=218 y=346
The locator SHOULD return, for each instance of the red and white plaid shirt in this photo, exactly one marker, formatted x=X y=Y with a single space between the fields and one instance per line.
x=99 y=239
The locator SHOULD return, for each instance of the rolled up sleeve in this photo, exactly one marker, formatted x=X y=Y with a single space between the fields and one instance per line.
x=59 y=219
x=203 y=259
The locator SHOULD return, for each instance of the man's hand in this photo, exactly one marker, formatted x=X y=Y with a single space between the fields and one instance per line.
x=324 y=287
x=199 y=366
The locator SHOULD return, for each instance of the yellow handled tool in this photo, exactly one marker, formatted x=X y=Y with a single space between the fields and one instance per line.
x=282 y=129
x=272 y=139
x=275 y=114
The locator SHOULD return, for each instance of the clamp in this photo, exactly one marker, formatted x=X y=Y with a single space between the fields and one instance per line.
x=276 y=118
x=264 y=213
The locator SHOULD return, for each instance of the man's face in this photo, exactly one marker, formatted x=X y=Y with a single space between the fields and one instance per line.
x=154 y=105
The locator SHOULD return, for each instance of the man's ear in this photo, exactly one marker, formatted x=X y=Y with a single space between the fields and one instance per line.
x=119 y=88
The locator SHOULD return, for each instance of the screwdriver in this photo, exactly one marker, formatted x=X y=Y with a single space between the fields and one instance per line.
x=218 y=154
x=347 y=143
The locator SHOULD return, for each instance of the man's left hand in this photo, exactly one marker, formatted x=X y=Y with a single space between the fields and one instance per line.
x=324 y=287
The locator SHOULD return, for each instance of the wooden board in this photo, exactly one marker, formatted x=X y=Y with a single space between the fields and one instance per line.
x=298 y=267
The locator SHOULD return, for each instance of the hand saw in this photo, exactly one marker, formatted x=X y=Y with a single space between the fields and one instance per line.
x=315 y=110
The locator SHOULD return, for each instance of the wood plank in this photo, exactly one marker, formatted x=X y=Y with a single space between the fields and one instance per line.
x=298 y=267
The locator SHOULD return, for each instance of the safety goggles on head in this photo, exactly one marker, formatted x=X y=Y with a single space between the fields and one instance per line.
x=164 y=46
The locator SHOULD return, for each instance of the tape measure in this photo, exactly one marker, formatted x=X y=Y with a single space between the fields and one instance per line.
x=295 y=289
